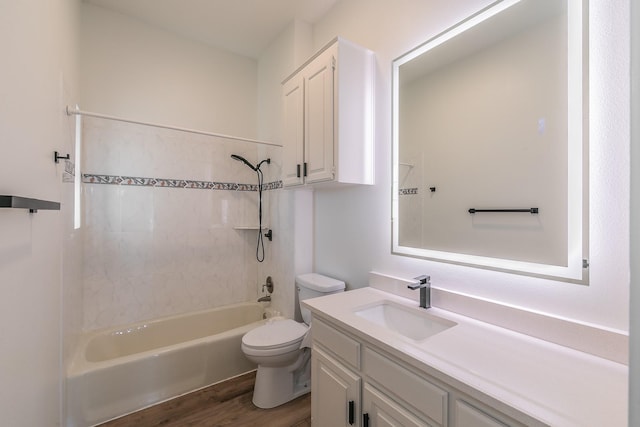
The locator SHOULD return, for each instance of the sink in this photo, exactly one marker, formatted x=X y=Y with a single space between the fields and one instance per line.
x=413 y=323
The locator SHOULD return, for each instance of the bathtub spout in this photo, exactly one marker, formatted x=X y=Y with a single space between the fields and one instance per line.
x=265 y=299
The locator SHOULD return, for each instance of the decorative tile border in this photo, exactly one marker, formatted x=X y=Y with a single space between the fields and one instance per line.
x=174 y=183
x=408 y=191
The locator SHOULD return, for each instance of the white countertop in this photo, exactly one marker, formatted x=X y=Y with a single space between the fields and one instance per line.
x=556 y=385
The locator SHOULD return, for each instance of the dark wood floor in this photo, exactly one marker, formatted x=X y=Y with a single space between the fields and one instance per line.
x=224 y=404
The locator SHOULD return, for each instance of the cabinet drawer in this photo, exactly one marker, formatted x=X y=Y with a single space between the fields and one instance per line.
x=468 y=416
x=383 y=411
x=340 y=344
x=421 y=394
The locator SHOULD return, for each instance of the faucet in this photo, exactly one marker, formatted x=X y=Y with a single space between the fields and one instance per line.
x=424 y=284
x=266 y=298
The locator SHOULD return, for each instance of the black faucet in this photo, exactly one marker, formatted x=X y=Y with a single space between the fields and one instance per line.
x=424 y=284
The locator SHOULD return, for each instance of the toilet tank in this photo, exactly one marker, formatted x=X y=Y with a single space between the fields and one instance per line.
x=311 y=285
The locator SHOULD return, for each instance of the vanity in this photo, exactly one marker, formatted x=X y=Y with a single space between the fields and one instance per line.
x=372 y=366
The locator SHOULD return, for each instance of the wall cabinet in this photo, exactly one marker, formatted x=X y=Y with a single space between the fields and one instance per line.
x=328 y=118
x=356 y=384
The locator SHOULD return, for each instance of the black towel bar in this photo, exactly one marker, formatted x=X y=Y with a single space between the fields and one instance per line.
x=529 y=210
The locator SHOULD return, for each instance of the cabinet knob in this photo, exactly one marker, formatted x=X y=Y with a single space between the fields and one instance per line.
x=352 y=412
x=365 y=420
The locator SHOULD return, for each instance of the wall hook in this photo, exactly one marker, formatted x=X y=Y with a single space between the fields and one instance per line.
x=57 y=157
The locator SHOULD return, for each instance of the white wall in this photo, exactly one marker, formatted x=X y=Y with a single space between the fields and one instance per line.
x=290 y=252
x=37 y=79
x=131 y=69
x=352 y=229
x=634 y=378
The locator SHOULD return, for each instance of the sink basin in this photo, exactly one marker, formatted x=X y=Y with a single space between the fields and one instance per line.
x=414 y=323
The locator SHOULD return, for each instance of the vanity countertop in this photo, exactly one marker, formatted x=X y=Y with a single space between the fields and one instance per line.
x=556 y=385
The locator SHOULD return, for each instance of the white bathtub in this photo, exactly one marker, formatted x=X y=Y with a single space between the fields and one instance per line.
x=118 y=371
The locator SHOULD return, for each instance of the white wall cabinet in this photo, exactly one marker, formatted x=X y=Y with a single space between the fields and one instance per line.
x=356 y=384
x=328 y=118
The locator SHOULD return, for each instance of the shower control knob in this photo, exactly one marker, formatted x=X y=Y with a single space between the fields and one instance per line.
x=268 y=285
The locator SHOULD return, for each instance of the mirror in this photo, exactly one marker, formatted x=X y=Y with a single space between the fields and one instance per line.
x=489 y=142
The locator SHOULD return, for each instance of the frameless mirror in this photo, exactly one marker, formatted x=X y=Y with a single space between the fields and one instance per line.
x=489 y=142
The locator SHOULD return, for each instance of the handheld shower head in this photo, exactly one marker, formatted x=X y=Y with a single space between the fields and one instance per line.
x=256 y=169
x=246 y=162
x=243 y=160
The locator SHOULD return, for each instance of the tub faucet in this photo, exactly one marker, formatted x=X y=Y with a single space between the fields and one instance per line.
x=424 y=284
x=266 y=298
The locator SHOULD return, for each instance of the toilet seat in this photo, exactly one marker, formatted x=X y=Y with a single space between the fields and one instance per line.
x=280 y=334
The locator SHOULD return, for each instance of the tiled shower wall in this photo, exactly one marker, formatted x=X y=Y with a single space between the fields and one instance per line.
x=161 y=215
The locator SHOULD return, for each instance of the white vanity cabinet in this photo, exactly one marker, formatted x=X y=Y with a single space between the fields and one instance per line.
x=328 y=118
x=469 y=416
x=336 y=398
x=335 y=378
x=379 y=410
x=354 y=383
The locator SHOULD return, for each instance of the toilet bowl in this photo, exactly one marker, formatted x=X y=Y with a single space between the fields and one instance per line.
x=281 y=350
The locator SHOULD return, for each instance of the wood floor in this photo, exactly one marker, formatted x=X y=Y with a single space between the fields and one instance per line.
x=224 y=404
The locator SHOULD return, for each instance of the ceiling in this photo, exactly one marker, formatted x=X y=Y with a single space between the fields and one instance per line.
x=245 y=27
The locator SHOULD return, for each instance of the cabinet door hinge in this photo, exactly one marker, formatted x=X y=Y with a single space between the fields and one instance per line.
x=333 y=62
x=585 y=263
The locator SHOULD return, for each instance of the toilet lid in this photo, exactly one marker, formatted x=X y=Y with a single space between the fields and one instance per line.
x=275 y=334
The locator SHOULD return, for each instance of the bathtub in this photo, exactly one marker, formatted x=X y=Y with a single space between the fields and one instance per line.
x=117 y=371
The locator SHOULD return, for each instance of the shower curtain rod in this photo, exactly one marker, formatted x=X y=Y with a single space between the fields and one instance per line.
x=77 y=112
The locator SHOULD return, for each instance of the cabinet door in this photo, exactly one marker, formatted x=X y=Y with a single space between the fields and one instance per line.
x=381 y=411
x=319 y=118
x=293 y=132
x=333 y=387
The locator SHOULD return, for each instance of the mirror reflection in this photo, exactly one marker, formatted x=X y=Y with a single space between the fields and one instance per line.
x=488 y=142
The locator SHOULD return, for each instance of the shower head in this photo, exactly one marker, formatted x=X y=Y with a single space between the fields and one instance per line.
x=246 y=162
x=243 y=160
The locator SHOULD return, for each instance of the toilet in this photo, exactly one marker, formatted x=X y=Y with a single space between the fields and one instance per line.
x=277 y=347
